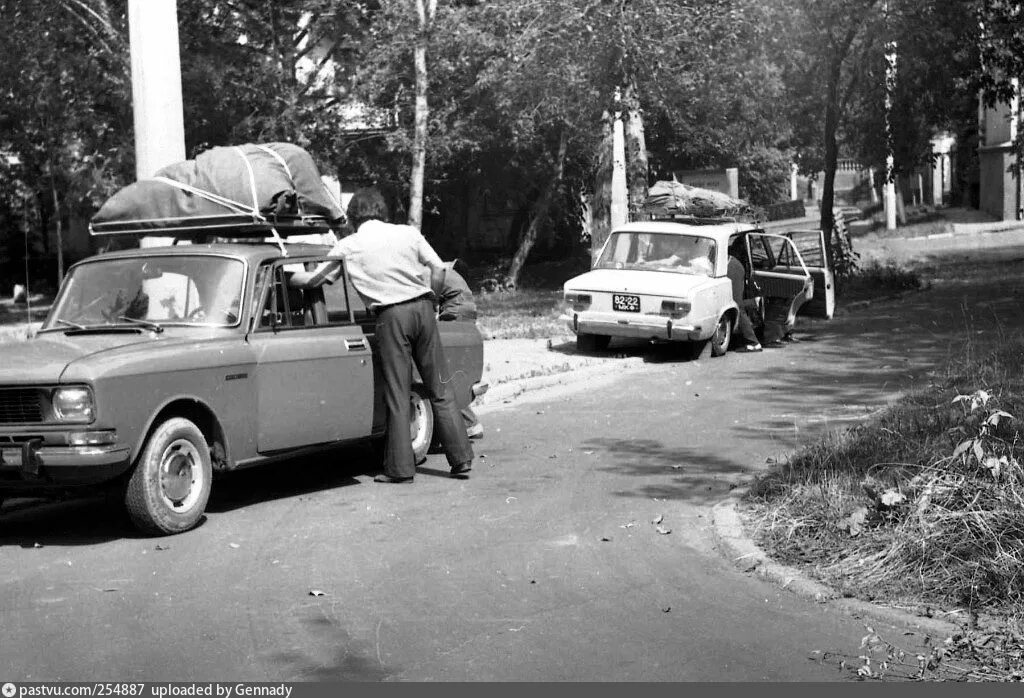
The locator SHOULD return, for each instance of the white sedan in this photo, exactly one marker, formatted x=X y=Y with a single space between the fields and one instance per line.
x=667 y=281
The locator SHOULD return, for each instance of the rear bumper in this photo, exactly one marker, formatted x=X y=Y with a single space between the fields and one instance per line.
x=638 y=326
x=30 y=465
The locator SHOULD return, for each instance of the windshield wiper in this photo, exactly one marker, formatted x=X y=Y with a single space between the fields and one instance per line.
x=148 y=324
x=75 y=325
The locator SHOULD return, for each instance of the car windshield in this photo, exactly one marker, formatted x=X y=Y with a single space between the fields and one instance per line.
x=682 y=254
x=190 y=290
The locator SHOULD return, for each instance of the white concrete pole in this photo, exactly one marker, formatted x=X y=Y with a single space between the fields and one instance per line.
x=793 y=193
x=619 y=213
x=156 y=89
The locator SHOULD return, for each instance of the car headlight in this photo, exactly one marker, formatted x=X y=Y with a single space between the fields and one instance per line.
x=578 y=301
x=73 y=405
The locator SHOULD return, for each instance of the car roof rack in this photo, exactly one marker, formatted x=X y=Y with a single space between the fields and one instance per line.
x=219 y=228
x=697 y=220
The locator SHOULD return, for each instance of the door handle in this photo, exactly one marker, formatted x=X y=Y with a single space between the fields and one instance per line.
x=355 y=344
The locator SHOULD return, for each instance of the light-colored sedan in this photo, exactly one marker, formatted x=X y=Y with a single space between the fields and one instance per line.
x=667 y=281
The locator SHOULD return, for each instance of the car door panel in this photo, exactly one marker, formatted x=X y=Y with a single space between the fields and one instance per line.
x=314 y=383
x=777 y=267
x=811 y=245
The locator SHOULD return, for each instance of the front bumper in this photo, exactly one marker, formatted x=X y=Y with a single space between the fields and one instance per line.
x=480 y=388
x=33 y=465
x=636 y=326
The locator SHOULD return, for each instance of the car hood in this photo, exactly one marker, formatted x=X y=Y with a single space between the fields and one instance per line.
x=655 y=283
x=44 y=359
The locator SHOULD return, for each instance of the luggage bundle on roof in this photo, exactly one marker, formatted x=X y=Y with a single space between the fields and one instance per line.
x=271 y=189
x=677 y=200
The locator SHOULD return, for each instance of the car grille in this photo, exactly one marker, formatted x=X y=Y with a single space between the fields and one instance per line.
x=20 y=406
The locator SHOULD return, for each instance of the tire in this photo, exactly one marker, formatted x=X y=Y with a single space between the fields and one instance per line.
x=722 y=337
x=421 y=424
x=170 y=485
x=592 y=342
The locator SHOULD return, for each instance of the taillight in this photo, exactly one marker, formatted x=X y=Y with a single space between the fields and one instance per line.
x=675 y=309
x=578 y=301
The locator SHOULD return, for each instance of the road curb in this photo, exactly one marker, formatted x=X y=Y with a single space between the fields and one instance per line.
x=509 y=390
x=733 y=542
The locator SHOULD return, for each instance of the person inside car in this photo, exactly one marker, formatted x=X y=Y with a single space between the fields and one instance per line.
x=737 y=273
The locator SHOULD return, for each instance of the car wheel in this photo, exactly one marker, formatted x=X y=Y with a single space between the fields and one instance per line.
x=722 y=336
x=592 y=342
x=421 y=424
x=169 y=488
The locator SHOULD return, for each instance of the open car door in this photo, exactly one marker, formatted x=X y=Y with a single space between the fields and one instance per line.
x=778 y=269
x=811 y=246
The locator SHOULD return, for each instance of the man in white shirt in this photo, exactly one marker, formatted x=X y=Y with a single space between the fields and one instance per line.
x=386 y=264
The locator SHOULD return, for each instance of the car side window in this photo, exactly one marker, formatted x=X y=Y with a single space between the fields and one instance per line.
x=341 y=304
x=761 y=258
x=284 y=307
x=338 y=300
x=811 y=245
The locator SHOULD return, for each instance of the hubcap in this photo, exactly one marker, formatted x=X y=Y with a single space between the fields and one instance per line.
x=417 y=421
x=722 y=333
x=180 y=473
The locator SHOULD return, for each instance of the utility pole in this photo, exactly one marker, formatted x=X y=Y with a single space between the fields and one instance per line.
x=156 y=89
x=890 y=87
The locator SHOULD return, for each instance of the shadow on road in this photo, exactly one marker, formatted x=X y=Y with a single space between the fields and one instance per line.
x=290 y=478
x=90 y=519
x=685 y=474
x=876 y=352
x=621 y=348
x=84 y=520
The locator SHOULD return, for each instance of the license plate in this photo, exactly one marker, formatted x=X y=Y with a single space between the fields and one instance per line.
x=629 y=304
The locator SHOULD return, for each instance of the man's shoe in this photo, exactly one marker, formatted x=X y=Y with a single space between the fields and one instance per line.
x=750 y=348
x=393 y=480
x=462 y=469
x=775 y=344
x=475 y=432
x=790 y=338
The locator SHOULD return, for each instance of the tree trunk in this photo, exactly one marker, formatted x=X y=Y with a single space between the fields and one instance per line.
x=540 y=214
x=59 y=228
x=637 y=166
x=425 y=14
x=901 y=206
x=828 y=189
x=600 y=203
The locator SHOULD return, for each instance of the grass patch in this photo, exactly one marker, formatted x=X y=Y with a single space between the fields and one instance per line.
x=877 y=280
x=522 y=314
x=924 y=504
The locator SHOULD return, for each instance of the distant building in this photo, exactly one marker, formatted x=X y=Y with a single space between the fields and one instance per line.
x=1000 y=193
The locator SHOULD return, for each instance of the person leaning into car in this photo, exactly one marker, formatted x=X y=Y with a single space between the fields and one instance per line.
x=386 y=264
x=456 y=303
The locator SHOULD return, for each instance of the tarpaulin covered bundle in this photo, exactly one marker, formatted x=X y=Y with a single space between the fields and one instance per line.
x=675 y=198
x=269 y=183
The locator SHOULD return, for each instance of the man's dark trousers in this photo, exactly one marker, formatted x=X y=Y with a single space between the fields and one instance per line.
x=407 y=333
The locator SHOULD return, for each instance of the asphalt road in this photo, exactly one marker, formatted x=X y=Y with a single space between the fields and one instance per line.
x=545 y=565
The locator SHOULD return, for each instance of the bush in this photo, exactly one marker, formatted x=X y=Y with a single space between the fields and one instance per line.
x=877 y=280
x=764 y=176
